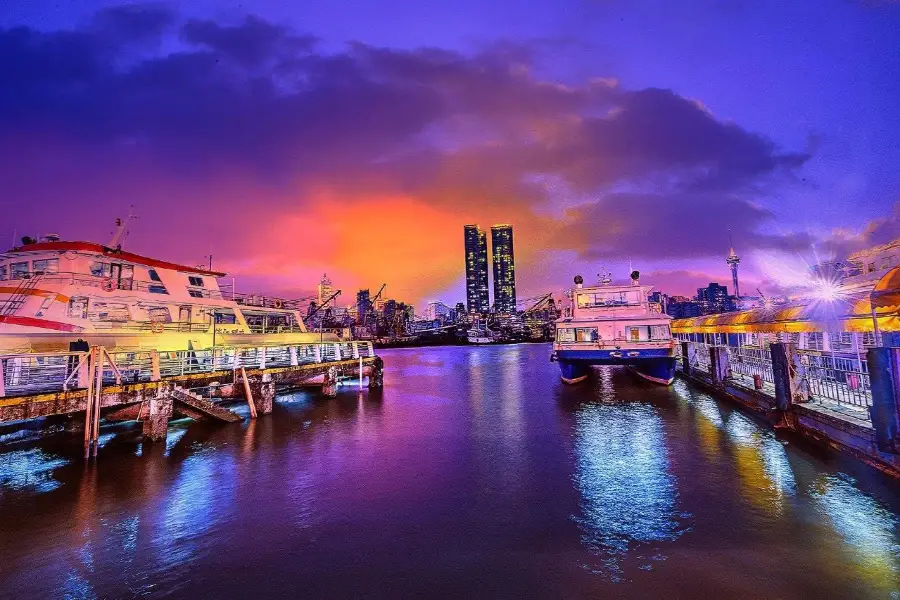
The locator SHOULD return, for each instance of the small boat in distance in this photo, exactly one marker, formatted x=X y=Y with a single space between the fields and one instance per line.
x=614 y=325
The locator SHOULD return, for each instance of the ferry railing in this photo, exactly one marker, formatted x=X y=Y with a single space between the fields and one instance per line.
x=840 y=379
x=33 y=373
x=100 y=281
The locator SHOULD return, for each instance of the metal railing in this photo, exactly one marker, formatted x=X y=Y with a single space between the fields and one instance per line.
x=33 y=373
x=840 y=379
x=750 y=362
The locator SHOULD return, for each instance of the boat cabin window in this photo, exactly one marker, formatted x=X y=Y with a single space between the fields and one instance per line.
x=101 y=269
x=195 y=281
x=195 y=293
x=46 y=266
x=610 y=298
x=3 y=271
x=225 y=316
x=78 y=307
x=659 y=332
x=577 y=334
x=159 y=314
x=108 y=311
x=154 y=276
x=19 y=270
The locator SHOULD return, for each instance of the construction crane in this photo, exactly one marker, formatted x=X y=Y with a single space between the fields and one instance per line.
x=324 y=303
x=542 y=302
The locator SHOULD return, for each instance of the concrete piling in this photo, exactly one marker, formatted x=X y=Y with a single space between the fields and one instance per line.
x=376 y=378
x=329 y=383
x=688 y=352
x=158 y=413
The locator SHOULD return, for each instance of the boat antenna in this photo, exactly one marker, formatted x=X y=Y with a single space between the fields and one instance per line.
x=121 y=230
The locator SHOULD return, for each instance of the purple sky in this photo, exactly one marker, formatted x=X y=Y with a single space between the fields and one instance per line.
x=779 y=120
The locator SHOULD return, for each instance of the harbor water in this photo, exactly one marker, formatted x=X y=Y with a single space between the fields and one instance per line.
x=474 y=473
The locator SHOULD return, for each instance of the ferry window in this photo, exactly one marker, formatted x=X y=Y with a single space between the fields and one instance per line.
x=226 y=316
x=3 y=273
x=108 y=311
x=159 y=314
x=659 y=332
x=870 y=267
x=126 y=277
x=565 y=335
x=154 y=276
x=78 y=306
x=195 y=281
x=48 y=265
x=19 y=270
x=100 y=269
x=585 y=334
x=195 y=293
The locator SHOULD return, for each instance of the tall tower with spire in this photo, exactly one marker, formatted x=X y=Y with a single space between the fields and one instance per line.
x=733 y=260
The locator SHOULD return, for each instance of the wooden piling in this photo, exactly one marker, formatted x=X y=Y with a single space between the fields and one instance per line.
x=248 y=394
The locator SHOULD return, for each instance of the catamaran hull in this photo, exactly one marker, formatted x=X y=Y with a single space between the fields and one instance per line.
x=657 y=366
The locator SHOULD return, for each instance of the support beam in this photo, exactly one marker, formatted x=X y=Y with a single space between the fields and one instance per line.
x=884 y=373
x=263 y=395
x=688 y=354
x=789 y=374
x=719 y=367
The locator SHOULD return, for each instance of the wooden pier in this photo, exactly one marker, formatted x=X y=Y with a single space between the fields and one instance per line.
x=152 y=387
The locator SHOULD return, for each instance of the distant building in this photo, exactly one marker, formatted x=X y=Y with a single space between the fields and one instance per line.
x=714 y=299
x=504 y=269
x=460 y=311
x=438 y=311
x=325 y=291
x=363 y=306
x=682 y=307
x=477 y=292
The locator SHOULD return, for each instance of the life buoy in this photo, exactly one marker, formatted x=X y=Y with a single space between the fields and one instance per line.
x=108 y=285
x=278 y=303
x=156 y=327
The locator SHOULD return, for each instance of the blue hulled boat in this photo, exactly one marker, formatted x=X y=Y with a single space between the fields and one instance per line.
x=614 y=325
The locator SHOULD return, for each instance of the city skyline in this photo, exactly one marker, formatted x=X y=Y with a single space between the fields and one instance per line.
x=362 y=159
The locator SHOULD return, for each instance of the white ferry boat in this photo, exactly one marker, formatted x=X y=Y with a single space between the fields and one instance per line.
x=55 y=292
x=614 y=325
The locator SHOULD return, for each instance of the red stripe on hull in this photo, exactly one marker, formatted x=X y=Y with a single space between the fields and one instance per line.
x=40 y=323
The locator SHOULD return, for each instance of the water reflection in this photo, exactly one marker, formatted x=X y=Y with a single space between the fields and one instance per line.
x=29 y=470
x=629 y=497
x=868 y=528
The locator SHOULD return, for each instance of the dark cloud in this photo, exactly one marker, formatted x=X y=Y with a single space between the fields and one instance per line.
x=251 y=42
x=452 y=129
x=674 y=225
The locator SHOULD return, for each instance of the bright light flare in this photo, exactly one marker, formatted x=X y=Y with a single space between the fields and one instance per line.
x=827 y=291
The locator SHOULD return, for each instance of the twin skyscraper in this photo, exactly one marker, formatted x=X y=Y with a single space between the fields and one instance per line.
x=477 y=294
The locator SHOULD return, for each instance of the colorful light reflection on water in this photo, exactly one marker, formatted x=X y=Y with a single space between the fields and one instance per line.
x=475 y=473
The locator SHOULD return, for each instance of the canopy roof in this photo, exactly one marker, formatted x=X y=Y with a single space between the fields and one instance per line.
x=851 y=312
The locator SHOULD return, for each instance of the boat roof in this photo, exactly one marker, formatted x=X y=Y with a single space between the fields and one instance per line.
x=114 y=253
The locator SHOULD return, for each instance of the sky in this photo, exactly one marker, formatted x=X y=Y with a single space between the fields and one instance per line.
x=357 y=138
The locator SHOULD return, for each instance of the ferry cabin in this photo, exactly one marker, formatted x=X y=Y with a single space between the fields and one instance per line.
x=614 y=325
x=614 y=316
x=55 y=292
